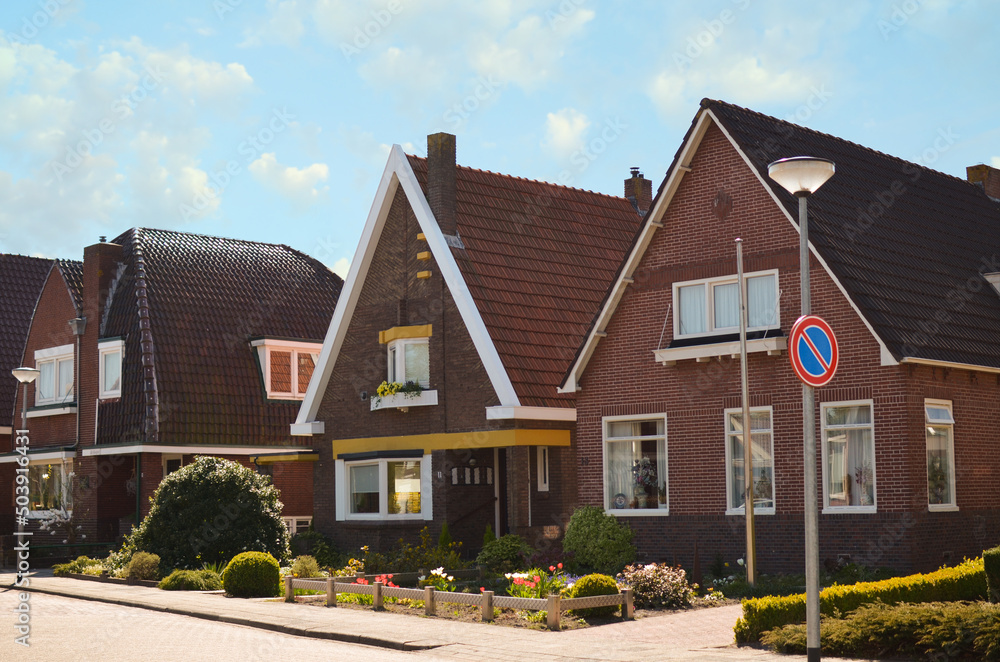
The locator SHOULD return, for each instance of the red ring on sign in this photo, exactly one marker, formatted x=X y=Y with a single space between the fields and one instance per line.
x=799 y=333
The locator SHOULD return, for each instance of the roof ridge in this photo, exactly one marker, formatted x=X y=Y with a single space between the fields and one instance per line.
x=151 y=411
x=529 y=180
x=141 y=230
x=707 y=102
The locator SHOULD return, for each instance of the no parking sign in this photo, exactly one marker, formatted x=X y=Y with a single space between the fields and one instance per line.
x=813 y=350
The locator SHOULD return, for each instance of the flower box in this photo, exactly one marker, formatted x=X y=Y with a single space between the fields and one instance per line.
x=404 y=401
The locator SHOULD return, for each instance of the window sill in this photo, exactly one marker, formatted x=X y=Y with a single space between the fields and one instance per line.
x=46 y=514
x=849 y=510
x=942 y=508
x=703 y=353
x=375 y=522
x=756 y=511
x=638 y=512
x=52 y=410
x=404 y=401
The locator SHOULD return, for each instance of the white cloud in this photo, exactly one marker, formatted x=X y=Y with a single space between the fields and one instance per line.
x=565 y=131
x=300 y=185
x=995 y=161
x=341 y=267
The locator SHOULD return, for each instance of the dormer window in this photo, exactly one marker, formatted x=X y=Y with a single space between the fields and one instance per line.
x=55 y=381
x=110 y=367
x=409 y=361
x=711 y=306
x=287 y=366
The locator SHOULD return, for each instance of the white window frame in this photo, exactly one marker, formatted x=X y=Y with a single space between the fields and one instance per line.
x=104 y=348
x=343 y=490
x=396 y=368
x=637 y=512
x=266 y=346
x=298 y=524
x=729 y=463
x=542 y=462
x=66 y=468
x=950 y=424
x=710 y=284
x=827 y=508
x=56 y=356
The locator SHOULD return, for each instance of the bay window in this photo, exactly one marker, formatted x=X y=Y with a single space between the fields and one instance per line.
x=848 y=456
x=373 y=487
x=762 y=448
x=409 y=361
x=711 y=306
x=940 y=455
x=635 y=466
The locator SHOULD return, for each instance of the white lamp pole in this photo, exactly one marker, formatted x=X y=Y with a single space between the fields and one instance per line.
x=802 y=176
x=25 y=376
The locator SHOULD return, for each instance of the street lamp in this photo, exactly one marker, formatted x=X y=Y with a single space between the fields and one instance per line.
x=25 y=376
x=802 y=176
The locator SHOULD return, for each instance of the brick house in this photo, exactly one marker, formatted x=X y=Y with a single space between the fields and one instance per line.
x=161 y=346
x=21 y=282
x=478 y=287
x=904 y=267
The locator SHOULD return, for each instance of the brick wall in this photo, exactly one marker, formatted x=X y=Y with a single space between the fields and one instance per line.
x=622 y=378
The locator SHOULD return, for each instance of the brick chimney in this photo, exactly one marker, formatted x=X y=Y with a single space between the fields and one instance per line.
x=441 y=180
x=100 y=263
x=987 y=177
x=639 y=191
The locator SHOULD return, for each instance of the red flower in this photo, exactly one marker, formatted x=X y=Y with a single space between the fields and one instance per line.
x=537 y=578
x=559 y=565
x=552 y=568
x=482 y=589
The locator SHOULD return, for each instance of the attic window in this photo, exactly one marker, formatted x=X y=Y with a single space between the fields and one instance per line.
x=994 y=280
x=408 y=357
x=110 y=368
x=286 y=366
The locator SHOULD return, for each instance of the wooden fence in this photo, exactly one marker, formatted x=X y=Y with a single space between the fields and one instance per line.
x=553 y=605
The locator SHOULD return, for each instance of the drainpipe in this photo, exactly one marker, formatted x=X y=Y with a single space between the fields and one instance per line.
x=78 y=325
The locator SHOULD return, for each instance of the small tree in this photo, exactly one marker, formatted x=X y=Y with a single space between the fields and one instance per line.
x=599 y=541
x=208 y=512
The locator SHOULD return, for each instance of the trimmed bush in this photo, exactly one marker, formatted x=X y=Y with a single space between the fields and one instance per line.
x=598 y=541
x=505 y=554
x=991 y=564
x=82 y=565
x=595 y=584
x=210 y=511
x=252 y=575
x=966 y=581
x=191 y=580
x=143 y=567
x=305 y=567
x=657 y=586
x=953 y=630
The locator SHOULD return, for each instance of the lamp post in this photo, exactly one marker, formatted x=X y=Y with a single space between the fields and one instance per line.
x=25 y=376
x=802 y=176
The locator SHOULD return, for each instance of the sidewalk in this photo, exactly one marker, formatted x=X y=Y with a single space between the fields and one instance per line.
x=704 y=635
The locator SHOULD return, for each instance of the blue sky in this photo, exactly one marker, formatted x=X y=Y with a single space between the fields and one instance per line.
x=272 y=120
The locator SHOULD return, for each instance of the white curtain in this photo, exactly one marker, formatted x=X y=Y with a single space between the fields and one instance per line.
x=727 y=305
x=691 y=310
x=417 y=363
x=762 y=299
x=851 y=457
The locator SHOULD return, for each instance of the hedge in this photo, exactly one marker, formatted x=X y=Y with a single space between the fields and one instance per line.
x=991 y=563
x=966 y=581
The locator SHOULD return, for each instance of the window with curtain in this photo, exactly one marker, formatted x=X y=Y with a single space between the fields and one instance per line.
x=849 y=455
x=49 y=488
x=409 y=361
x=635 y=469
x=940 y=454
x=55 y=379
x=762 y=448
x=712 y=305
x=384 y=488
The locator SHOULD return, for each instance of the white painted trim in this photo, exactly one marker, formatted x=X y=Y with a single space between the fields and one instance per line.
x=399 y=173
x=40 y=458
x=950 y=364
x=6 y=430
x=41 y=413
x=710 y=284
x=109 y=347
x=404 y=400
x=426 y=488
x=827 y=508
x=952 y=478
x=769 y=510
x=543 y=458
x=343 y=491
x=287 y=344
x=502 y=413
x=190 y=450
x=308 y=429
x=54 y=352
x=941 y=508
x=673 y=354
x=654 y=222
x=884 y=351
x=757 y=510
x=638 y=512
x=340 y=489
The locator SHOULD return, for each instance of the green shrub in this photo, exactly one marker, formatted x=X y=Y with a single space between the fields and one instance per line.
x=953 y=630
x=966 y=581
x=444 y=538
x=406 y=557
x=252 y=575
x=320 y=547
x=991 y=564
x=595 y=584
x=657 y=586
x=143 y=566
x=209 y=511
x=598 y=541
x=505 y=554
x=305 y=567
x=488 y=535
x=191 y=580
x=82 y=565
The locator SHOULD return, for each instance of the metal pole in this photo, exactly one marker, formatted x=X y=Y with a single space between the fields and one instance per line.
x=809 y=454
x=24 y=407
x=747 y=439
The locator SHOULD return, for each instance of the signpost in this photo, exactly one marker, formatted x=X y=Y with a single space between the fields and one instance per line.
x=813 y=350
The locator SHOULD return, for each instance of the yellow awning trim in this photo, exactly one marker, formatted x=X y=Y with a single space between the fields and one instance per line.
x=397 y=332
x=291 y=457
x=454 y=441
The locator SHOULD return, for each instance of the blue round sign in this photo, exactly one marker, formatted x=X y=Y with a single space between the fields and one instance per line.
x=813 y=350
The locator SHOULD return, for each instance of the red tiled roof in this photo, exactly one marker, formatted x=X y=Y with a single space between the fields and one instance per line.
x=538 y=259
x=192 y=378
x=21 y=281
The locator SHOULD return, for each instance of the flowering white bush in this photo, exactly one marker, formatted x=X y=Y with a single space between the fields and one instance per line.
x=657 y=586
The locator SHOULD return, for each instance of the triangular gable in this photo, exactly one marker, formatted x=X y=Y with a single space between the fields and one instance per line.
x=399 y=173
x=653 y=222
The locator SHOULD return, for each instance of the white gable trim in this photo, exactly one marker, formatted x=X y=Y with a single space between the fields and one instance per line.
x=653 y=222
x=885 y=354
x=399 y=173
